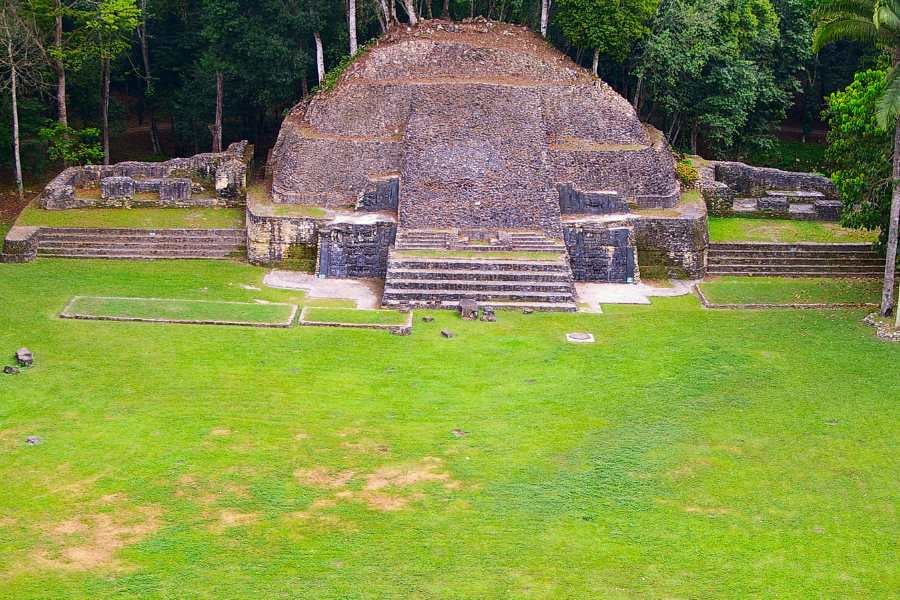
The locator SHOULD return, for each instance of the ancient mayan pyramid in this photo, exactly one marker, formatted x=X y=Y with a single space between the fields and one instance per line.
x=481 y=126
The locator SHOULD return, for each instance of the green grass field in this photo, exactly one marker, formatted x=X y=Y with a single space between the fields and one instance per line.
x=154 y=309
x=778 y=290
x=366 y=317
x=136 y=218
x=739 y=229
x=687 y=454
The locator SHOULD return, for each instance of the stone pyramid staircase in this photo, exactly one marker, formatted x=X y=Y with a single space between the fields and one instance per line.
x=422 y=239
x=794 y=260
x=141 y=243
x=500 y=283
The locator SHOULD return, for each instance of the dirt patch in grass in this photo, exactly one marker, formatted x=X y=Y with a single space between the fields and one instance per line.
x=385 y=489
x=91 y=541
x=323 y=477
x=229 y=518
x=220 y=432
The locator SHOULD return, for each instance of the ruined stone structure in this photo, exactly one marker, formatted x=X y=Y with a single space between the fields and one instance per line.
x=211 y=179
x=736 y=189
x=458 y=161
x=475 y=137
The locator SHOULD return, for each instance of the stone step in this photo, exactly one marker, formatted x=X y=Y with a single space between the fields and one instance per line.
x=424 y=295
x=740 y=273
x=795 y=247
x=143 y=245
x=535 y=306
x=133 y=257
x=792 y=260
x=141 y=253
x=75 y=237
x=797 y=267
x=474 y=264
x=737 y=254
x=562 y=287
x=480 y=275
x=128 y=230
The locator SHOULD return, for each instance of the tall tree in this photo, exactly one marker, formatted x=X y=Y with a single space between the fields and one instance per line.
x=351 y=25
x=149 y=96
x=109 y=27
x=21 y=64
x=609 y=27
x=874 y=22
x=545 y=16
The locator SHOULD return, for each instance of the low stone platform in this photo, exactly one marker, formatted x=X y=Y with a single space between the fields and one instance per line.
x=794 y=260
x=26 y=243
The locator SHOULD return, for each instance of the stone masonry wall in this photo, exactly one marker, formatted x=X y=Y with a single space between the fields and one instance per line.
x=355 y=249
x=204 y=179
x=747 y=180
x=600 y=252
x=276 y=241
x=672 y=247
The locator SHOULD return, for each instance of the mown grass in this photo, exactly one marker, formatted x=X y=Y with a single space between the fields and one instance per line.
x=354 y=316
x=687 y=453
x=738 y=229
x=135 y=218
x=179 y=310
x=779 y=290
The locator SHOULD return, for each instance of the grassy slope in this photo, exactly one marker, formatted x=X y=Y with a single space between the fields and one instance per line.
x=369 y=317
x=775 y=290
x=186 y=310
x=687 y=453
x=138 y=218
x=730 y=229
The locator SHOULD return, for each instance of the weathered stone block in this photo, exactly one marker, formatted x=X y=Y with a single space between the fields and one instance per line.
x=355 y=249
x=718 y=196
x=174 y=191
x=117 y=188
x=776 y=205
x=827 y=210
x=20 y=245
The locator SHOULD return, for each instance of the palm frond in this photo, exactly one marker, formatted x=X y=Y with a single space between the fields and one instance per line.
x=828 y=9
x=888 y=109
x=886 y=17
x=845 y=27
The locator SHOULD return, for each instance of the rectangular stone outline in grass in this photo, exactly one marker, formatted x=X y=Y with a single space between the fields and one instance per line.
x=750 y=306
x=398 y=329
x=69 y=313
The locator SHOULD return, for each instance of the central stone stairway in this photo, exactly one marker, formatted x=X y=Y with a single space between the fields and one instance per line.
x=477 y=241
x=428 y=279
x=141 y=243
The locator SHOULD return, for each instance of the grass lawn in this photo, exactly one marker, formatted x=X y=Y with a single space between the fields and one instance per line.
x=350 y=315
x=739 y=229
x=687 y=453
x=153 y=309
x=136 y=218
x=778 y=290
x=485 y=254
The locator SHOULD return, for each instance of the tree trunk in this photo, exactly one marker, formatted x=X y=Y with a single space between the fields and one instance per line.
x=220 y=100
x=637 y=94
x=445 y=10
x=410 y=7
x=890 y=262
x=320 y=58
x=695 y=134
x=15 y=114
x=545 y=16
x=596 y=63
x=62 y=111
x=104 y=106
x=393 y=12
x=304 y=87
x=351 y=24
x=148 y=84
x=428 y=9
